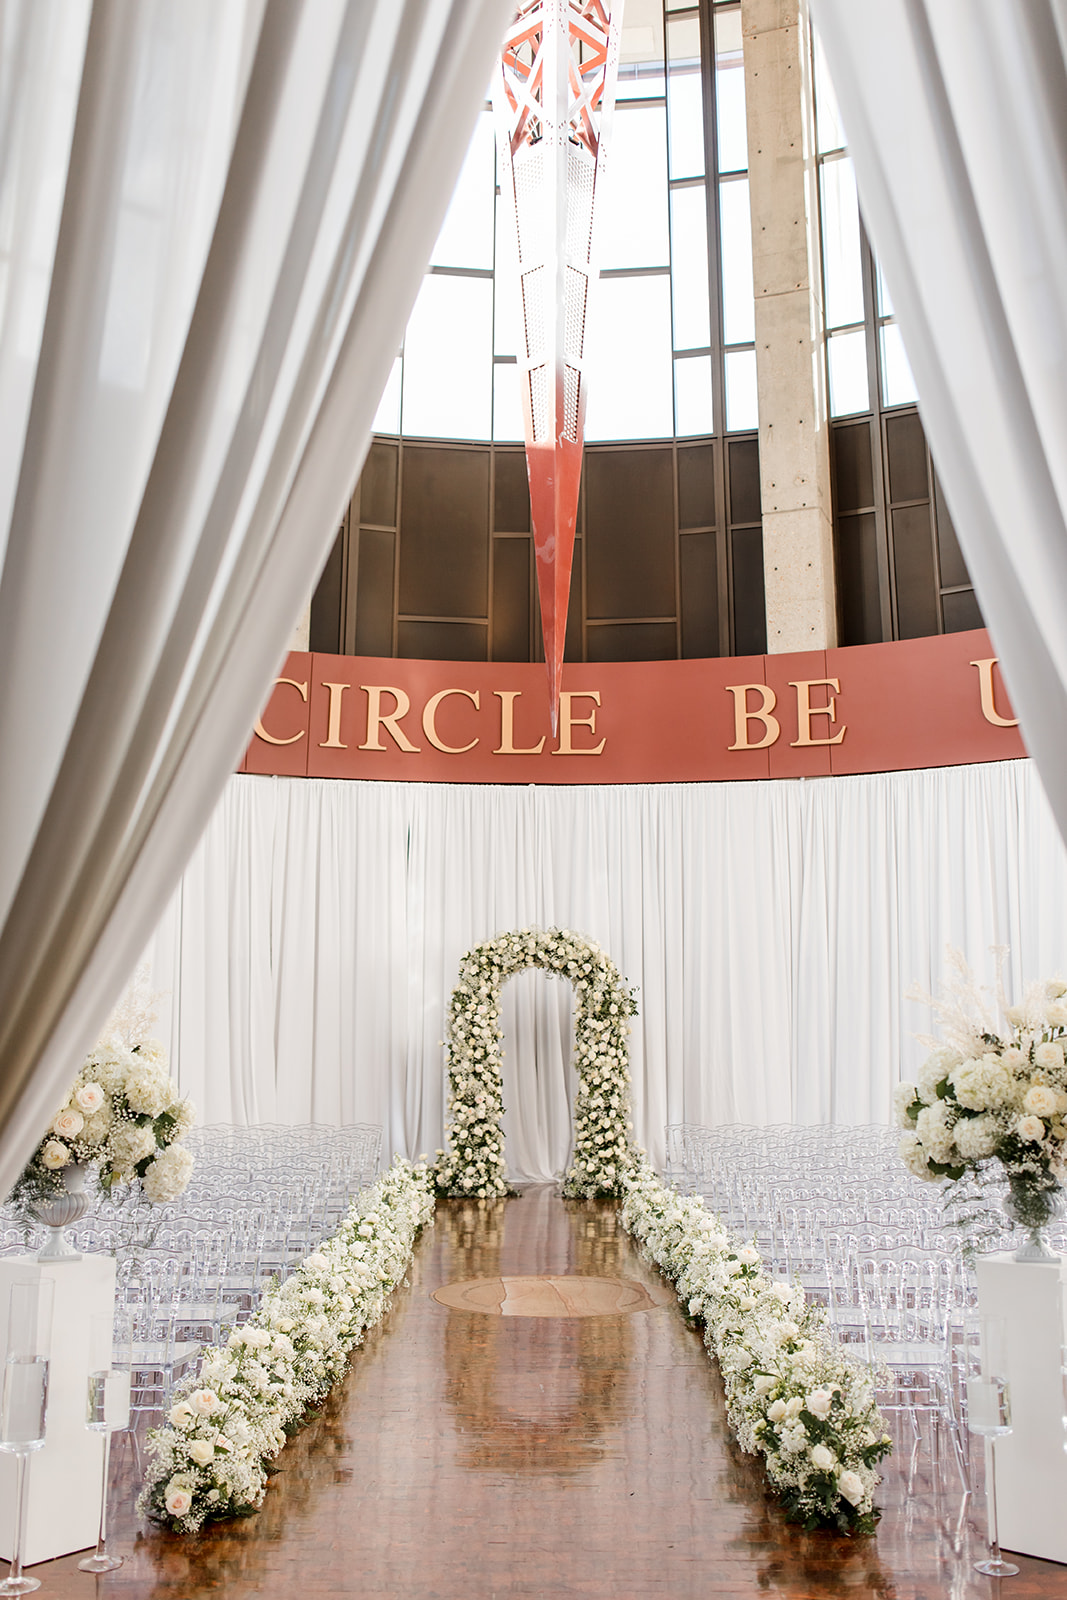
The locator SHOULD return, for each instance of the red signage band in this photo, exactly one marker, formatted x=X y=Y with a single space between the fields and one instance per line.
x=869 y=708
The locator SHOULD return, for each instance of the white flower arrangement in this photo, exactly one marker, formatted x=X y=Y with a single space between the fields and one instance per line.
x=792 y=1393
x=123 y=1116
x=603 y=1150
x=993 y=1088
x=230 y=1420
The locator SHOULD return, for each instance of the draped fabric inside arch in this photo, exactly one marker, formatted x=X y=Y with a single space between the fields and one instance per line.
x=214 y=217
x=771 y=930
x=955 y=113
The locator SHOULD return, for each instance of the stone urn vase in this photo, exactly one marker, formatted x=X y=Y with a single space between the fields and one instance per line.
x=61 y=1211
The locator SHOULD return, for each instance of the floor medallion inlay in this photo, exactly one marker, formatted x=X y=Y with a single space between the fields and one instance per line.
x=569 y=1295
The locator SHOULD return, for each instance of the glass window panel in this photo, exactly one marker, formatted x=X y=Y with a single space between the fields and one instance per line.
x=738 y=303
x=742 y=410
x=847 y=360
x=692 y=396
x=885 y=305
x=466 y=237
x=630 y=361
x=387 y=417
x=689 y=268
x=685 y=98
x=842 y=271
x=448 y=359
x=829 y=131
x=632 y=229
x=508 y=336
x=507 y=402
x=730 y=93
x=898 y=385
x=643 y=81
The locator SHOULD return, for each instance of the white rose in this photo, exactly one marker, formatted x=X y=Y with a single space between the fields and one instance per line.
x=201 y=1451
x=764 y=1383
x=177 y=1500
x=749 y=1256
x=68 y=1123
x=54 y=1155
x=777 y=1411
x=1032 y=1129
x=819 y=1402
x=794 y=1407
x=822 y=1458
x=851 y=1486
x=1049 y=1056
x=1039 y=1099
x=181 y=1414
x=89 y=1098
x=204 y=1401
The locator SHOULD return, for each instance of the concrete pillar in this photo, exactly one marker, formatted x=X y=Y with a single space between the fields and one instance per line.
x=790 y=371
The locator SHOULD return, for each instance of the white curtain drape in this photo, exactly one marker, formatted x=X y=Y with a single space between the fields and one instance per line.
x=771 y=929
x=214 y=216
x=956 y=117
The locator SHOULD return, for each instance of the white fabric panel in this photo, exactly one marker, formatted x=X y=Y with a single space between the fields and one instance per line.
x=954 y=114
x=771 y=930
x=214 y=217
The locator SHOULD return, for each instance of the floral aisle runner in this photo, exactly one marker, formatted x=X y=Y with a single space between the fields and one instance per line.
x=229 y=1421
x=792 y=1394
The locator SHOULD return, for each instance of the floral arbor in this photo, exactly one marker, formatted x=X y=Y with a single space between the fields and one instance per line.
x=603 y=1149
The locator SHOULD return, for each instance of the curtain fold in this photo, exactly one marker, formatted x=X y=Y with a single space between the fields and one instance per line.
x=956 y=118
x=207 y=276
x=771 y=930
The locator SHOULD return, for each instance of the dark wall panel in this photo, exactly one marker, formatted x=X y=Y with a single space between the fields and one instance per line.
x=744 y=482
x=633 y=641
x=443 y=641
x=511 y=600
x=325 y=633
x=857 y=580
x=511 y=493
x=750 y=611
x=700 y=595
x=444 y=534
x=906 y=456
x=696 y=486
x=629 y=530
x=953 y=567
x=853 y=472
x=377 y=486
x=374 y=593
x=961 y=611
x=913 y=561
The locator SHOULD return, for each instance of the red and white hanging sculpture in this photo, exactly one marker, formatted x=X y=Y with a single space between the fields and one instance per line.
x=553 y=99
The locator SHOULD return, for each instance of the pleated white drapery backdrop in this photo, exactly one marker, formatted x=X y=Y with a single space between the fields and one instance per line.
x=214 y=218
x=771 y=928
x=955 y=113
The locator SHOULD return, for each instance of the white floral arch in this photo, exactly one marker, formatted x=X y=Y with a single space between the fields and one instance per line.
x=603 y=1149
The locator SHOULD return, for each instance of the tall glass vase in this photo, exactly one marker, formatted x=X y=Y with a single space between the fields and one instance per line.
x=24 y=1400
x=1032 y=1201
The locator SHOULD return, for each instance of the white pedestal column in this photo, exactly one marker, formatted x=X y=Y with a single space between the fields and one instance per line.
x=1031 y=1461
x=63 y=1498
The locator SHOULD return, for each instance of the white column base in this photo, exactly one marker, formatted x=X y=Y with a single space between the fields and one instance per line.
x=63 y=1496
x=1031 y=1460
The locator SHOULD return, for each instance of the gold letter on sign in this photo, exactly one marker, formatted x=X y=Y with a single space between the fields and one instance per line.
x=429 y=725
x=805 y=710
x=260 y=730
x=377 y=719
x=332 y=740
x=743 y=716
x=985 y=683
x=507 y=698
x=568 y=721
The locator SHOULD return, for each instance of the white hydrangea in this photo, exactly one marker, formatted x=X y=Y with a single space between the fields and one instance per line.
x=148 y=1091
x=168 y=1175
x=984 y=1083
x=934 y=1133
x=977 y=1137
x=131 y=1143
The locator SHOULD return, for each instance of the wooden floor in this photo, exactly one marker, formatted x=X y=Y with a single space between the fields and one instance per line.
x=473 y=1456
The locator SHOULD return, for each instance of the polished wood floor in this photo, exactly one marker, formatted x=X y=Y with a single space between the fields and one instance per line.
x=476 y=1457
